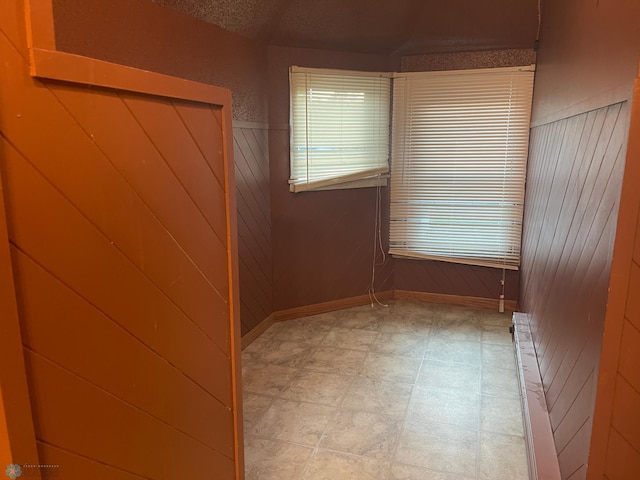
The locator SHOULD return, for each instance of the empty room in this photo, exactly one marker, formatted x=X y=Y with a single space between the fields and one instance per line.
x=300 y=240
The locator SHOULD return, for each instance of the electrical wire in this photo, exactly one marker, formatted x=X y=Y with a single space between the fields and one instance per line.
x=377 y=242
x=539 y=19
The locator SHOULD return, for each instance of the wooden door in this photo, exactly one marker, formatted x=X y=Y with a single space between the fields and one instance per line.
x=615 y=439
x=118 y=249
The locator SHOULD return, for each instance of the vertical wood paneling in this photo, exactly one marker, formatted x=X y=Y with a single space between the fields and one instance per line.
x=573 y=186
x=254 y=224
x=117 y=217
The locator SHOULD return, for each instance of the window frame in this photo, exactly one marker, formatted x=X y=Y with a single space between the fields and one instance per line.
x=376 y=172
x=426 y=187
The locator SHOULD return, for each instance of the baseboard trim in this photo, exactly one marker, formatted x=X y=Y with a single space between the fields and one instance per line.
x=256 y=331
x=478 y=302
x=330 y=306
x=542 y=456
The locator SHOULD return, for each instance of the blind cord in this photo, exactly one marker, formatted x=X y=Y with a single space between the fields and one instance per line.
x=377 y=241
x=539 y=19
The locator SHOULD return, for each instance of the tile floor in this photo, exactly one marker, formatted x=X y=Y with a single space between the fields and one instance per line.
x=412 y=391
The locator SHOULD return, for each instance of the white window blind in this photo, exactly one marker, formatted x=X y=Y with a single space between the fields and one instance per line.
x=339 y=127
x=459 y=150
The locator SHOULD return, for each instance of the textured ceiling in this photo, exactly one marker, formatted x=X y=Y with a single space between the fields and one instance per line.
x=374 y=26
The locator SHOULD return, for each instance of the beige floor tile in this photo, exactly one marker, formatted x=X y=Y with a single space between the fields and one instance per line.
x=375 y=395
x=501 y=415
x=400 y=344
x=452 y=407
x=489 y=317
x=335 y=360
x=409 y=472
x=410 y=325
x=416 y=309
x=459 y=329
x=502 y=457
x=440 y=447
x=272 y=331
x=368 y=319
x=304 y=332
x=501 y=382
x=354 y=339
x=316 y=387
x=391 y=367
x=498 y=356
x=450 y=376
x=454 y=351
x=274 y=460
x=283 y=352
x=266 y=379
x=256 y=345
x=454 y=314
x=296 y=422
x=496 y=334
x=253 y=407
x=358 y=396
x=327 y=465
x=362 y=433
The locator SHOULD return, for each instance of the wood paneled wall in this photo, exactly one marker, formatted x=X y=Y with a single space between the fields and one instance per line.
x=615 y=446
x=573 y=187
x=122 y=252
x=254 y=223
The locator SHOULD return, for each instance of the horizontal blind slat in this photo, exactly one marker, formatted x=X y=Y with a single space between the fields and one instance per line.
x=339 y=125
x=459 y=148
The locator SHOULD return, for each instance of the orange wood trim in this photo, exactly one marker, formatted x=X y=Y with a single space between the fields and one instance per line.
x=618 y=286
x=47 y=62
x=67 y=67
x=258 y=330
x=234 y=287
x=477 y=302
x=40 y=25
x=330 y=306
x=17 y=433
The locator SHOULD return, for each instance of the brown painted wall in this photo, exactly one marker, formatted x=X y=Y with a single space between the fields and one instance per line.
x=322 y=241
x=179 y=45
x=120 y=237
x=152 y=37
x=588 y=56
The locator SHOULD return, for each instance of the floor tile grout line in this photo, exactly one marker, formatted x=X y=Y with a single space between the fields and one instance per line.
x=424 y=359
x=334 y=413
x=408 y=409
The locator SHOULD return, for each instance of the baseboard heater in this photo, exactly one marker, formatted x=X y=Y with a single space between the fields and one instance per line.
x=543 y=460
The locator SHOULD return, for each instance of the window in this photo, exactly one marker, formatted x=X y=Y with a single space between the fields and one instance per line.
x=339 y=127
x=459 y=150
